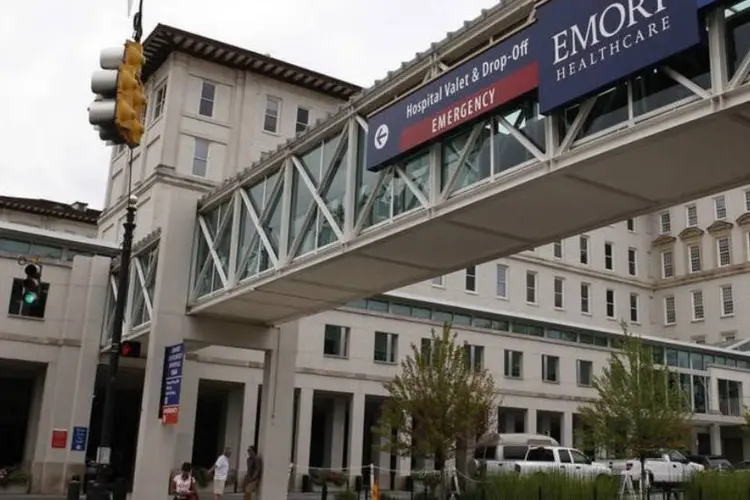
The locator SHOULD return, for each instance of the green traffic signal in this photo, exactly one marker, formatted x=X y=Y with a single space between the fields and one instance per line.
x=30 y=297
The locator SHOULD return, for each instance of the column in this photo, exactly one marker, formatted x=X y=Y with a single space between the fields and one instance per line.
x=304 y=430
x=715 y=439
x=277 y=411
x=694 y=440
x=233 y=428
x=493 y=423
x=247 y=430
x=156 y=452
x=186 y=422
x=338 y=427
x=531 y=427
x=567 y=429
x=356 y=434
x=384 y=464
x=713 y=395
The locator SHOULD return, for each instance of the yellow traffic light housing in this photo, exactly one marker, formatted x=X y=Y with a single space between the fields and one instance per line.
x=131 y=97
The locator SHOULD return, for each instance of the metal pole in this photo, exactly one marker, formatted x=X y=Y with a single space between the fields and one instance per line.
x=104 y=451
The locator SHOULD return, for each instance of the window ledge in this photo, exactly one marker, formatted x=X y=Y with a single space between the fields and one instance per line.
x=435 y=285
x=533 y=304
x=386 y=363
x=555 y=382
x=471 y=292
x=335 y=356
x=511 y=377
x=585 y=386
x=698 y=320
x=725 y=316
x=268 y=132
x=21 y=316
x=500 y=297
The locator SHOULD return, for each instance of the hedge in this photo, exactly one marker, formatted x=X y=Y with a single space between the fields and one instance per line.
x=718 y=485
x=546 y=486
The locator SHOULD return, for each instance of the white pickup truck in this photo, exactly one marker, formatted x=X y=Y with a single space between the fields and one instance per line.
x=557 y=459
x=667 y=468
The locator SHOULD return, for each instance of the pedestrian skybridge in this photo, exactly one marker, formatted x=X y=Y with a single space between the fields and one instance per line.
x=315 y=224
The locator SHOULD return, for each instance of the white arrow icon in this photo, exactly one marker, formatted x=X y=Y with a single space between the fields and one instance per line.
x=381 y=136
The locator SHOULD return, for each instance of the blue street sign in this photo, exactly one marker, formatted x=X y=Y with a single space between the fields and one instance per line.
x=567 y=54
x=79 y=439
x=174 y=358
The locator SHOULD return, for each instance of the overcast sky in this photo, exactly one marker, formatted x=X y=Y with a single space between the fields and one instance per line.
x=51 y=47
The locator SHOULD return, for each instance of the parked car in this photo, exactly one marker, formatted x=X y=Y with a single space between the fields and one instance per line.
x=495 y=453
x=664 y=469
x=558 y=459
x=711 y=462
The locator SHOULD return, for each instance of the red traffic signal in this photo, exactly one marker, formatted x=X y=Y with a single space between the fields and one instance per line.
x=130 y=349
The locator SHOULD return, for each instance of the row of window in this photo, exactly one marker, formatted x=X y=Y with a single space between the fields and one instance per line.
x=691 y=213
x=695 y=260
x=18 y=248
x=460 y=317
x=726 y=304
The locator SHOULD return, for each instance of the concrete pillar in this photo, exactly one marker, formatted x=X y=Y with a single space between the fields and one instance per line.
x=492 y=419
x=277 y=411
x=338 y=426
x=715 y=439
x=68 y=384
x=247 y=430
x=233 y=427
x=694 y=440
x=356 y=434
x=713 y=395
x=531 y=421
x=186 y=422
x=384 y=465
x=567 y=429
x=304 y=430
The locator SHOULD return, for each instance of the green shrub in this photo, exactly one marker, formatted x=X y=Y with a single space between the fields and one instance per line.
x=345 y=495
x=547 y=486
x=717 y=485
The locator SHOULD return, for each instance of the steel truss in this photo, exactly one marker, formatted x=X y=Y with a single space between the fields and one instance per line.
x=140 y=301
x=317 y=197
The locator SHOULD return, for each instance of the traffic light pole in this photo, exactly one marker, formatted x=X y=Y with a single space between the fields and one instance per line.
x=104 y=451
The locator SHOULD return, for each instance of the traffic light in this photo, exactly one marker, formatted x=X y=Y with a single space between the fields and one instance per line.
x=32 y=284
x=130 y=349
x=117 y=111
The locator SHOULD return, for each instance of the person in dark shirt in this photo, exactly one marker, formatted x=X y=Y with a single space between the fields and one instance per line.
x=254 y=471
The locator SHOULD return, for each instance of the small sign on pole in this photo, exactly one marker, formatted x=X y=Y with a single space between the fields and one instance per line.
x=80 y=435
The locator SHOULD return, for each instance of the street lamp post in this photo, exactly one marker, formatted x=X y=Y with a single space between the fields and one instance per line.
x=99 y=491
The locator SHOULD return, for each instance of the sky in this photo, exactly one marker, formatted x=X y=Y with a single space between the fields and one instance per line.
x=50 y=151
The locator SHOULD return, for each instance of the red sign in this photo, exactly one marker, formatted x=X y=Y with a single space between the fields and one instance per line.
x=170 y=415
x=59 y=438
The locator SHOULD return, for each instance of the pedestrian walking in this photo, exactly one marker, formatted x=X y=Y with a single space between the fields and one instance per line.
x=254 y=472
x=220 y=471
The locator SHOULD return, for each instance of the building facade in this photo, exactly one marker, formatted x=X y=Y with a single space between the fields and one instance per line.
x=544 y=322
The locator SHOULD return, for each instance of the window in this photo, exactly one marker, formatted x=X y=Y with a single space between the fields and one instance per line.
x=550 y=368
x=303 y=120
x=608 y=258
x=208 y=94
x=557 y=249
x=720 y=208
x=691 y=215
x=501 y=281
x=610 y=301
x=426 y=349
x=386 y=347
x=471 y=279
x=665 y=223
x=160 y=98
x=694 y=257
x=474 y=356
x=634 y=307
x=632 y=262
x=438 y=281
x=631 y=225
x=18 y=307
x=586 y=298
x=583 y=242
x=696 y=299
x=727 y=301
x=271 y=117
x=531 y=287
x=559 y=293
x=670 y=312
x=200 y=157
x=723 y=252
x=336 y=342
x=585 y=373
x=513 y=364
x=747 y=200
x=667 y=265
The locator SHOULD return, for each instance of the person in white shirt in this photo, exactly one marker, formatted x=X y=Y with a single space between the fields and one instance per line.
x=183 y=484
x=220 y=471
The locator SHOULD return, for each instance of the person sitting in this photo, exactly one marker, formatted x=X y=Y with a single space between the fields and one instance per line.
x=183 y=484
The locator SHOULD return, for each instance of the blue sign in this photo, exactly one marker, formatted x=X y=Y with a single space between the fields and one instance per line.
x=79 y=439
x=174 y=359
x=599 y=42
x=568 y=53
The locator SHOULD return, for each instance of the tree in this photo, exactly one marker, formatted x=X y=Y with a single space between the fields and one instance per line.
x=640 y=408
x=436 y=402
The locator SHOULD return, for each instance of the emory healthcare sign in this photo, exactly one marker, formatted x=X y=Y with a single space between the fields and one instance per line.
x=572 y=50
